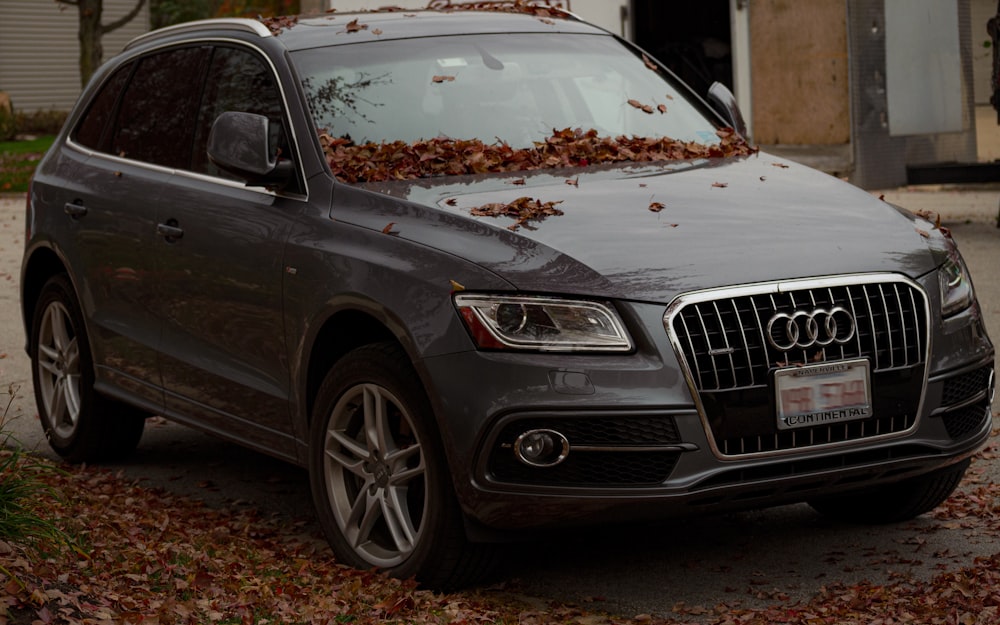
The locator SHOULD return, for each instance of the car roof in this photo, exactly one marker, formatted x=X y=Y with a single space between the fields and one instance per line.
x=303 y=32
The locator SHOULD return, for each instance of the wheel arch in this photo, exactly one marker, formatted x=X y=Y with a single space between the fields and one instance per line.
x=344 y=330
x=43 y=263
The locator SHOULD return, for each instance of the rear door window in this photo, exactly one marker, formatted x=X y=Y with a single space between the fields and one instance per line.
x=90 y=133
x=156 y=119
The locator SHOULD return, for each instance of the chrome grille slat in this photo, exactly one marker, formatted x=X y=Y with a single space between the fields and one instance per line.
x=890 y=332
x=708 y=343
x=871 y=316
x=888 y=325
x=906 y=346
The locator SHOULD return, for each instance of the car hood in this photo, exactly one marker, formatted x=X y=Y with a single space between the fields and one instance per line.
x=722 y=222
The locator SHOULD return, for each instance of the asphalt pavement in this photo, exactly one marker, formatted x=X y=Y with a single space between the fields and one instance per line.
x=751 y=559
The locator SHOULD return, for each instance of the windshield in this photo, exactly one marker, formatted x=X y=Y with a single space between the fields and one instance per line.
x=511 y=88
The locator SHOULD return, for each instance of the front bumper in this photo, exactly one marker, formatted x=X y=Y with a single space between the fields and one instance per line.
x=640 y=448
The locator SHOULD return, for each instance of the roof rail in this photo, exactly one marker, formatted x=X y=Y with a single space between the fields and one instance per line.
x=237 y=23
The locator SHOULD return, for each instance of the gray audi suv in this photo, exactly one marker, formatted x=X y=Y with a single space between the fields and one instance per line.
x=485 y=272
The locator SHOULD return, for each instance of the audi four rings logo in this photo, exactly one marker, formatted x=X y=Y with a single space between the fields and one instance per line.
x=805 y=329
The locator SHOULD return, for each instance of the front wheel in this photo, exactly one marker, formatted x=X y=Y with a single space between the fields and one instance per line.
x=379 y=479
x=80 y=424
x=899 y=501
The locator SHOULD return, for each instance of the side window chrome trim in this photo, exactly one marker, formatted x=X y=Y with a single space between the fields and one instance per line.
x=281 y=90
x=235 y=184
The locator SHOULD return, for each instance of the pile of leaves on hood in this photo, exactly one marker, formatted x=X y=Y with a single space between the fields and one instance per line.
x=147 y=556
x=523 y=210
x=399 y=160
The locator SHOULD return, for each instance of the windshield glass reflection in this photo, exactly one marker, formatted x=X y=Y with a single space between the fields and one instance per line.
x=515 y=88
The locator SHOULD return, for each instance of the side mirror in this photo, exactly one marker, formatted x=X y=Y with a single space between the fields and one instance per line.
x=724 y=102
x=239 y=144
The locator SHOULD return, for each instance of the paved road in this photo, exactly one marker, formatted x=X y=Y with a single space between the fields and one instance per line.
x=750 y=559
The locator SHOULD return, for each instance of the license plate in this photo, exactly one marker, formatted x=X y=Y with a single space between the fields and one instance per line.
x=822 y=394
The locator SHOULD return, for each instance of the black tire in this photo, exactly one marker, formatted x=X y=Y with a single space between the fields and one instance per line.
x=892 y=503
x=379 y=478
x=80 y=424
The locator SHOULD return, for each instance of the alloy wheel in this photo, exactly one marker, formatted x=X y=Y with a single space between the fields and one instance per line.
x=375 y=474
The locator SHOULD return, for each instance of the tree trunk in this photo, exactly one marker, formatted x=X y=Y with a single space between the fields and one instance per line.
x=91 y=30
x=91 y=51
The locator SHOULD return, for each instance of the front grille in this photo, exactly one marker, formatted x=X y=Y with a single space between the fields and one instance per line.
x=724 y=340
x=618 y=466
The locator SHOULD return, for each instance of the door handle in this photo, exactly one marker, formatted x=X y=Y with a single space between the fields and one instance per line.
x=170 y=230
x=75 y=209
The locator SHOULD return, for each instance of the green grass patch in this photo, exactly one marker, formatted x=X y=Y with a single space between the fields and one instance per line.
x=18 y=160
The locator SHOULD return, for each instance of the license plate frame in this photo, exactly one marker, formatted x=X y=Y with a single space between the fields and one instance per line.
x=822 y=394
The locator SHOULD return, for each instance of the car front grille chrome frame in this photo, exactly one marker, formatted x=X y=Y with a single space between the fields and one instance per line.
x=722 y=340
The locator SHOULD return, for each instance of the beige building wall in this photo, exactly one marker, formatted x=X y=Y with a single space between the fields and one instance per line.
x=40 y=52
x=800 y=72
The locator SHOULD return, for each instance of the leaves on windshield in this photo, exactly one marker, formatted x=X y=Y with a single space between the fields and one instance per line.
x=645 y=108
x=399 y=160
x=277 y=24
x=656 y=206
x=523 y=210
x=500 y=6
x=649 y=63
x=443 y=79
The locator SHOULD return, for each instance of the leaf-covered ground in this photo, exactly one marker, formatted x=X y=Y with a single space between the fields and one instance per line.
x=154 y=557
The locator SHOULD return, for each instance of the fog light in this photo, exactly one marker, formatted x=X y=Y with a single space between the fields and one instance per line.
x=541 y=448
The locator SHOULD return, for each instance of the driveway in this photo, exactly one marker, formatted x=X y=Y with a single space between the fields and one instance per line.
x=752 y=559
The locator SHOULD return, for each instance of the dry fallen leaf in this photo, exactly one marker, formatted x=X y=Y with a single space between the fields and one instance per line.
x=518 y=181
x=656 y=206
x=443 y=79
x=451 y=201
x=353 y=26
x=388 y=228
x=573 y=182
x=376 y=31
x=720 y=185
x=456 y=287
x=649 y=63
x=523 y=210
x=662 y=108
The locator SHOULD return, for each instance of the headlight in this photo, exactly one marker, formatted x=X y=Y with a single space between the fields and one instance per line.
x=956 y=287
x=542 y=324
